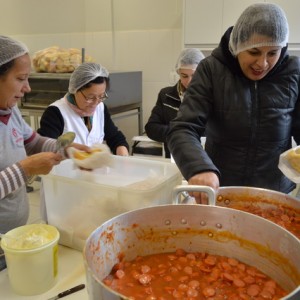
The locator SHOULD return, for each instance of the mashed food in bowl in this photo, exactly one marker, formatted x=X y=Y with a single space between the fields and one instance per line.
x=31 y=238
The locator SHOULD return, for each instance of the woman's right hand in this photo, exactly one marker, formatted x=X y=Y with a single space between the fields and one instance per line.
x=206 y=178
x=41 y=163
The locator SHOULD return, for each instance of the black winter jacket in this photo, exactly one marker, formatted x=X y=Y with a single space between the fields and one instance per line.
x=165 y=110
x=248 y=123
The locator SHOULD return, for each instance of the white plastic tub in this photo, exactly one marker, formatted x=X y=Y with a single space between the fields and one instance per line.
x=77 y=201
x=31 y=253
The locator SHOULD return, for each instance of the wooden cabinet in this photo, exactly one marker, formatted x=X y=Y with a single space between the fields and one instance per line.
x=232 y=9
x=205 y=21
x=292 y=10
x=202 y=21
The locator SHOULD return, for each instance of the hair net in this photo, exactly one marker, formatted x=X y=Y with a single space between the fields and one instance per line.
x=189 y=59
x=10 y=49
x=261 y=24
x=84 y=74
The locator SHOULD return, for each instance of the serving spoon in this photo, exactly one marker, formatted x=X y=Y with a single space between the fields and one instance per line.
x=65 y=140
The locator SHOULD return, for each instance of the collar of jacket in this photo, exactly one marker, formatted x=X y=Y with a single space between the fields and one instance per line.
x=4 y=119
x=172 y=92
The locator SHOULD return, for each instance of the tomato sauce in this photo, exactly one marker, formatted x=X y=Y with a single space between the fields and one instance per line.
x=283 y=216
x=190 y=276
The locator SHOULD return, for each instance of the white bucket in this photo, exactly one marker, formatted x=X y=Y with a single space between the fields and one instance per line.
x=31 y=258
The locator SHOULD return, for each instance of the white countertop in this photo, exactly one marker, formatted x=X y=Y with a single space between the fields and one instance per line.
x=70 y=273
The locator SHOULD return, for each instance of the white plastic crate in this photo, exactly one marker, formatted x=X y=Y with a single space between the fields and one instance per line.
x=77 y=201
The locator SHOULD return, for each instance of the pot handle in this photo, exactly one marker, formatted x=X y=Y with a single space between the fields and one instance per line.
x=183 y=189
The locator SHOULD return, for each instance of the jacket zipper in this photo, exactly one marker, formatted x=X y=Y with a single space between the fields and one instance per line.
x=254 y=115
x=251 y=149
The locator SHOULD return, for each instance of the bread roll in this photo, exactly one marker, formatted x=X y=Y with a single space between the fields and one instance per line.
x=293 y=157
x=83 y=155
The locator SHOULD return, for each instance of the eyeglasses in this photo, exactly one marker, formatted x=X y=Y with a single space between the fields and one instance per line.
x=94 y=99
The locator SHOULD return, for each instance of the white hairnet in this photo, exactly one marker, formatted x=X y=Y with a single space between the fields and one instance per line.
x=10 y=49
x=261 y=24
x=189 y=59
x=84 y=74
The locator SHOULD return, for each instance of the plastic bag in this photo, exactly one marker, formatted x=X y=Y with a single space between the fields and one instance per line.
x=100 y=157
x=58 y=60
x=289 y=164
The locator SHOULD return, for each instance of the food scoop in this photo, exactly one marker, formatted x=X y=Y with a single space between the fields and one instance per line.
x=65 y=140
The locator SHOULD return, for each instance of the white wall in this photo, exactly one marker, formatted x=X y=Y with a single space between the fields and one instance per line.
x=129 y=35
x=205 y=21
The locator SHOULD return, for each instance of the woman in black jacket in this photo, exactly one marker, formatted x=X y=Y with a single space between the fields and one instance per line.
x=245 y=97
x=169 y=98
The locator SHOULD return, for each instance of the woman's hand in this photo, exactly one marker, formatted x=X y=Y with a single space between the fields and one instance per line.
x=207 y=179
x=122 y=151
x=41 y=163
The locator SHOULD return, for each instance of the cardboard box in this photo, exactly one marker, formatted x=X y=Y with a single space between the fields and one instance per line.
x=77 y=202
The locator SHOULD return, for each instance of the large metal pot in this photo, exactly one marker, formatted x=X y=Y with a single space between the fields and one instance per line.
x=212 y=229
x=247 y=197
x=250 y=199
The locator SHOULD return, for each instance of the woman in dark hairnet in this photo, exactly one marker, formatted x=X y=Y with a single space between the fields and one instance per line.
x=170 y=98
x=245 y=97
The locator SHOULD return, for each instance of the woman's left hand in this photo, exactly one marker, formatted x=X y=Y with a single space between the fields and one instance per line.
x=122 y=151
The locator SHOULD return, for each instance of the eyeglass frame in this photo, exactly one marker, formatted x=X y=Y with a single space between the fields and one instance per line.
x=94 y=98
